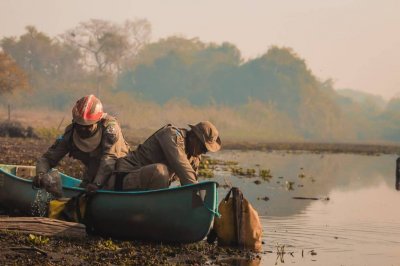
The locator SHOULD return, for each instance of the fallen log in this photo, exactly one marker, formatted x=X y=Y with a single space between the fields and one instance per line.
x=42 y=226
x=310 y=198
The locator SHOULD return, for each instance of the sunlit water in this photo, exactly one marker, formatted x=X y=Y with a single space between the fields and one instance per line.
x=358 y=225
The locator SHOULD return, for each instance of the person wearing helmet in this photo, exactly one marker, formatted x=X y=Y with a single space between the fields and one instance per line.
x=169 y=152
x=94 y=138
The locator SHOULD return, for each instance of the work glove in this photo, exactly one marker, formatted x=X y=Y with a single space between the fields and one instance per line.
x=91 y=188
x=51 y=182
x=37 y=180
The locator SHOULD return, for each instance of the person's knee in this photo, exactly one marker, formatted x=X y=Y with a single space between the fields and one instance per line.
x=160 y=175
x=161 y=170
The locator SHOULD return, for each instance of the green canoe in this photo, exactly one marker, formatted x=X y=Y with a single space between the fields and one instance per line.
x=180 y=214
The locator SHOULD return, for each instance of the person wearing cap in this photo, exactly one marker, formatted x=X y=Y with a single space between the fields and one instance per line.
x=169 y=152
x=94 y=138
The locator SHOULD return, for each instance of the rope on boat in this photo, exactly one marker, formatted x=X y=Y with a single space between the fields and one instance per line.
x=215 y=211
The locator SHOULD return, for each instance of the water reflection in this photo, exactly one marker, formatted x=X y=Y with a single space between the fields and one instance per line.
x=358 y=225
x=321 y=173
x=397 y=174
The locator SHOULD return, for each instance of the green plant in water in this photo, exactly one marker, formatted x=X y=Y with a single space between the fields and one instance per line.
x=37 y=240
x=250 y=172
x=214 y=161
x=237 y=171
x=203 y=165
x=265 y=174
x=206 y=173
x=107 y=245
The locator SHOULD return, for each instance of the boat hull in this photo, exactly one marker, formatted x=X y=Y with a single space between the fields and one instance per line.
x=182 y=214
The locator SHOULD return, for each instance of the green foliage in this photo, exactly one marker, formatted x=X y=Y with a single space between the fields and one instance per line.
x=107 y=245
x=265 y=174
x=211 y=74
x=38 y=240
x=179 y=68
x=206 y=173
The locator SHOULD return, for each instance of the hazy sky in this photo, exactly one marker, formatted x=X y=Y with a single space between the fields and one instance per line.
x=354 y=42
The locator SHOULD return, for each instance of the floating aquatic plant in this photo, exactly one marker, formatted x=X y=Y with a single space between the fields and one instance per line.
x=265 y=174
x=206 y=173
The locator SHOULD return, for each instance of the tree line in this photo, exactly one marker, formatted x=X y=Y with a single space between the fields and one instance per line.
x=271 y=93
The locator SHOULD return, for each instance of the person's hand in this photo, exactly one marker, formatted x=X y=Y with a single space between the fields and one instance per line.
x=37 y=180
x=41 y=180
x=91 y=188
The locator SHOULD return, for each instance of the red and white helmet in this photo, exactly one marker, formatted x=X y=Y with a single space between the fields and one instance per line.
x=87 y=111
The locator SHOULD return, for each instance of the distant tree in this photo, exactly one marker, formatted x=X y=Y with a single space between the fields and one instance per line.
x=178 y=67
x=182 y=47
x=11 y=76
x=52 y=67
x=107 y=46
x=37 y=53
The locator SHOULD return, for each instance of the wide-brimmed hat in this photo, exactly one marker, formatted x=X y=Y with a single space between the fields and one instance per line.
x=87 y=144
x=208 y=135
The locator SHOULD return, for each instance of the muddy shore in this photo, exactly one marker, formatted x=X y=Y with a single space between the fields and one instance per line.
x=16 y=249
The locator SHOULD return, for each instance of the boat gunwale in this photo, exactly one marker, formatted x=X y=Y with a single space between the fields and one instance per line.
x=101 y=191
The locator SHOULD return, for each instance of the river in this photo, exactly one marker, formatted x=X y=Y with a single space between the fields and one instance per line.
x=353 y=218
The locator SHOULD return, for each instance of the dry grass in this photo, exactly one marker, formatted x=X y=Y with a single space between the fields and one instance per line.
x=253 y=122
x=249 y=124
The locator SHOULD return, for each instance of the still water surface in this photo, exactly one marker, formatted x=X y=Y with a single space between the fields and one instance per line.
x=358 y=225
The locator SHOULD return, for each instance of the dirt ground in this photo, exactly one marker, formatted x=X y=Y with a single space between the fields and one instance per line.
x=17 y=249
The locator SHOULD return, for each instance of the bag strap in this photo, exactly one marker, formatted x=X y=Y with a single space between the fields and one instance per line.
x=237 y=197
x=237 y=205
x=228 y=195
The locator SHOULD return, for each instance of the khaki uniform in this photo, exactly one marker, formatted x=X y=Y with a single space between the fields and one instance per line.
x=158 y=159
x=99 y=163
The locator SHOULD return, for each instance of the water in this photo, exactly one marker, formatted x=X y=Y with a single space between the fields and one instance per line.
x=40 y=204
x=358 y=225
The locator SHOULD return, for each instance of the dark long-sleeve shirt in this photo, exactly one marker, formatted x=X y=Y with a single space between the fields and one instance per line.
x=99 y=163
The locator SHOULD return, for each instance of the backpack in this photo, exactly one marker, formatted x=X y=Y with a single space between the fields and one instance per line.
x=239 y=224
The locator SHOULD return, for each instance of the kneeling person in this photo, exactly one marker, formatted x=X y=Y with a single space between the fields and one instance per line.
x=94 y=138
x=169 y=151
